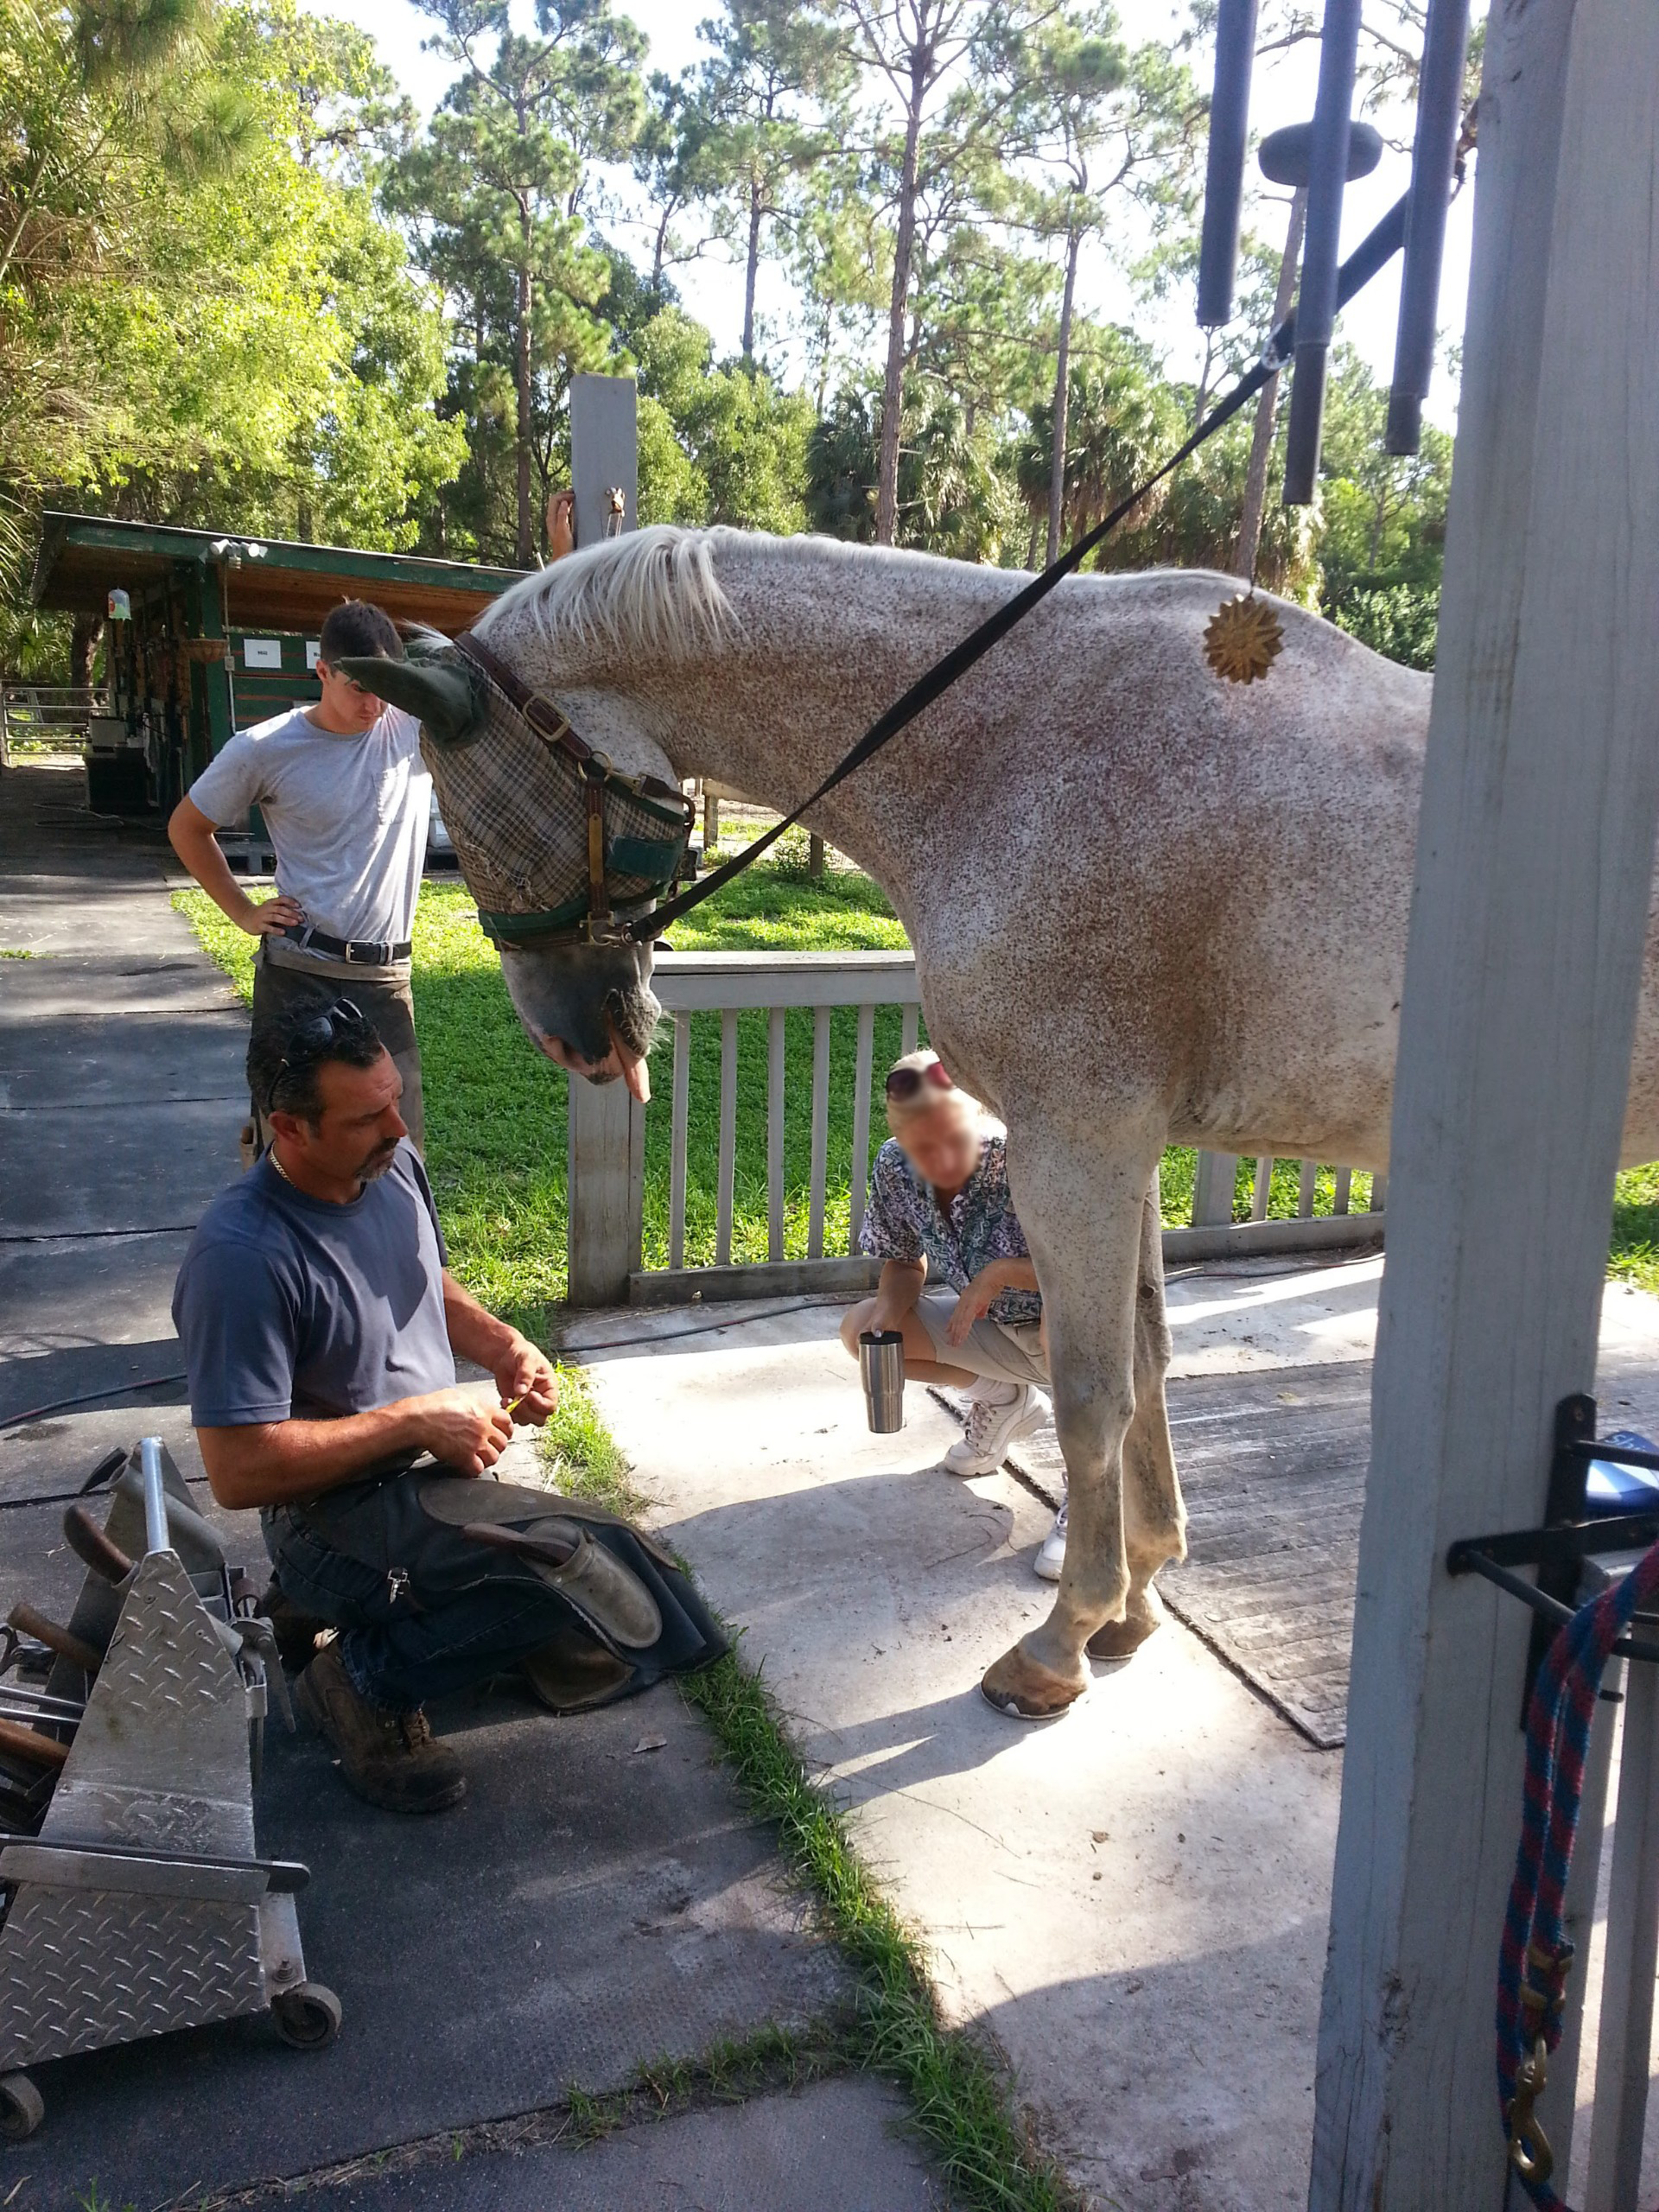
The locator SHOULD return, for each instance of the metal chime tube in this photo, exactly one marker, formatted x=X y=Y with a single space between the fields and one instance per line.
x=1440 y=106
x=1223 y=183
x=1316 y=304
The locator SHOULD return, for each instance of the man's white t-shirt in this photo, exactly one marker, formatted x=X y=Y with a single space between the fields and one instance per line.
x=347 y=816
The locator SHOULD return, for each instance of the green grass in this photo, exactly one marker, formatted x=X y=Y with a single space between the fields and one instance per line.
x=495 y=1110
x=957 y=2097
x=1635 y=1255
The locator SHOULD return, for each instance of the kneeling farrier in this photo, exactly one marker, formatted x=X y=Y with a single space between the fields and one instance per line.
x=320 y=1327
x=956 y=1280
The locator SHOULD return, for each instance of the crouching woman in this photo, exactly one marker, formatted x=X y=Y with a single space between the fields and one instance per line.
x=957 y=1281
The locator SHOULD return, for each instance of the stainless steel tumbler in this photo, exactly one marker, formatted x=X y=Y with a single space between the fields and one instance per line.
x=882 y=1365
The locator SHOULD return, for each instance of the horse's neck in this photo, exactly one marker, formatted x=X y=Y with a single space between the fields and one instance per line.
x=816 y=651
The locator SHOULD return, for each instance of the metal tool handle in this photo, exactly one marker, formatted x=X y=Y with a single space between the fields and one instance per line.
x=150 y=1459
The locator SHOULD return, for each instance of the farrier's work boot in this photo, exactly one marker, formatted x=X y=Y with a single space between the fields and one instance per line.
x=392 y=1758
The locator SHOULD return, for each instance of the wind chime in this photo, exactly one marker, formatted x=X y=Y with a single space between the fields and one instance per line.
x=1322 y=158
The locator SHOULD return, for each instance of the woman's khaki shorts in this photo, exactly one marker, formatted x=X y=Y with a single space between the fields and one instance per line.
x=1003 y=1351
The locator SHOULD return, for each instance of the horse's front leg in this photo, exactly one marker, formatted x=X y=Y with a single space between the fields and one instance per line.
x=1082 y=1205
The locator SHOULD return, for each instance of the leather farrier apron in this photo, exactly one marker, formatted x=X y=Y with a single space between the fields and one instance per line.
x=629 y=1614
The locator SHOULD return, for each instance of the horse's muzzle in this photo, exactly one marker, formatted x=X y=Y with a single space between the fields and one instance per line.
x=589 y=1007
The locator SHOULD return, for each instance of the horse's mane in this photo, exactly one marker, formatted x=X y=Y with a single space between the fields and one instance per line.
x=653 y=591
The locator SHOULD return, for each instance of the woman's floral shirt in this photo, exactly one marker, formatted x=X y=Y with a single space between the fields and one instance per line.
x=904 y=1221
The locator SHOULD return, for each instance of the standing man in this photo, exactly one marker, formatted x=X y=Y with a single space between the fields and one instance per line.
x=347 y=804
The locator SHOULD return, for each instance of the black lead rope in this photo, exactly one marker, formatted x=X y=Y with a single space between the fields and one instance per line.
x=1373 y=252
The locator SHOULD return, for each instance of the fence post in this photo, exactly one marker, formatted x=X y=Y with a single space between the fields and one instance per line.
x=1212 y=1190
x=1523 y=968
x=605 y=1185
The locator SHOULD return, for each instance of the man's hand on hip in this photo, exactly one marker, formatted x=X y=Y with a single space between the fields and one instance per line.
x=527 y=1383
x=468 y=1427
x=272 y=915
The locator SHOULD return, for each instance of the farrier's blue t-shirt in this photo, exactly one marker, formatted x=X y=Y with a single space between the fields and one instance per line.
x=288 y=1305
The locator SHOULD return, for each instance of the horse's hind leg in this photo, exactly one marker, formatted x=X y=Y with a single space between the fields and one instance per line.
x=1082 y=1205
x=1154 y=1519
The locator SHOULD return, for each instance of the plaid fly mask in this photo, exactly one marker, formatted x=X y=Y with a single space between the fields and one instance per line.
x=552 y=841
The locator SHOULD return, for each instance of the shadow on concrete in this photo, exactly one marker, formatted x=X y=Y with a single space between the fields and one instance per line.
x=1185 y=2106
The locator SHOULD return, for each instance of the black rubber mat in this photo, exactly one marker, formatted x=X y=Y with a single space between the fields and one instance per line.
x=599 y=1899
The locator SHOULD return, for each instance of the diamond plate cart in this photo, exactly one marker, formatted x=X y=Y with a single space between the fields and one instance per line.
x=142 y=1904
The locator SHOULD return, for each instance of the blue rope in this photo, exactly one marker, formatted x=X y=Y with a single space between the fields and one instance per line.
x=1535 y=1954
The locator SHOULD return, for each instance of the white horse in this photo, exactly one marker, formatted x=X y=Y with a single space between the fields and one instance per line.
x=1128 y=882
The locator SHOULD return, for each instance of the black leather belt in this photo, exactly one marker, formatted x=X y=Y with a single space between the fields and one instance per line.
x=357 y=951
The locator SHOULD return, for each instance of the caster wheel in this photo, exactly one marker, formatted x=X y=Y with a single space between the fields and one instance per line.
x=21 y=2108
x=307 y=2017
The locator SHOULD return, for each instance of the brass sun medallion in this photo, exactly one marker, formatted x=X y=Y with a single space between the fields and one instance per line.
x=1243 y=639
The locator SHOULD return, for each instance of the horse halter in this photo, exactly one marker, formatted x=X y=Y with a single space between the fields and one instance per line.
x=638 y=831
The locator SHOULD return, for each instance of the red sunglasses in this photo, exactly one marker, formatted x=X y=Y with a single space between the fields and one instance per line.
x=905 y=1083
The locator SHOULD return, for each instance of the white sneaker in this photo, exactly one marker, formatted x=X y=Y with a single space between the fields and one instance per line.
x=991 y=1429
x=1052 y=1557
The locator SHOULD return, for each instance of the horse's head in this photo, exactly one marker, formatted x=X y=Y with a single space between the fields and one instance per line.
x=515 y=801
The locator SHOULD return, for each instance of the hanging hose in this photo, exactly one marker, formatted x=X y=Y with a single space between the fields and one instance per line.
x=1535 y=1954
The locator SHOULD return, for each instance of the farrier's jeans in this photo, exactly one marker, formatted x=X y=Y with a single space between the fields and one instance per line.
x=400 y=1649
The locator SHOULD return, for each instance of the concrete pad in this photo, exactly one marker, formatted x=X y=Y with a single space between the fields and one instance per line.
x=1129 y=1899
x=93 y=1172
x=839 y=2147
x=874 y=1591
x=1266 y=1313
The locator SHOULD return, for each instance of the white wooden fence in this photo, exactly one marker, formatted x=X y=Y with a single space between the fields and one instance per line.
x=607 y=1145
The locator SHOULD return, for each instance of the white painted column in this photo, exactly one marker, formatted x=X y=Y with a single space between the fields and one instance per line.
x=1535 y=859
x=605 y=1178
x=604 y=454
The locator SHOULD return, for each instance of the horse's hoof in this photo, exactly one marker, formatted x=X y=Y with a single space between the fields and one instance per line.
x=1119 y=1638
x=1021 y=1689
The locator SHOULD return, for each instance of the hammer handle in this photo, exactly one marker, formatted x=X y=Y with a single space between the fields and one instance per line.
x=28 y=1622
x=93 y=1547
x=24 y=1743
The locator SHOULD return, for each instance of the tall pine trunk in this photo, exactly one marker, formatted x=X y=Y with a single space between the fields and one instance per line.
x=751 y=270
x=892 y=390
x=1062 y=398
x=525 y=541
x=1267 y=406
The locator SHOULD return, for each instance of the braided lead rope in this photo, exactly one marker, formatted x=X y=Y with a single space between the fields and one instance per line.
x=1535 y=1955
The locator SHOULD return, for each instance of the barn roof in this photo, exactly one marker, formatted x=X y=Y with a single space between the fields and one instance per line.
x=267 y=583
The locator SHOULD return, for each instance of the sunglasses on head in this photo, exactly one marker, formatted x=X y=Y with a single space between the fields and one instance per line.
x=905 y=1083
x=342 y=1018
